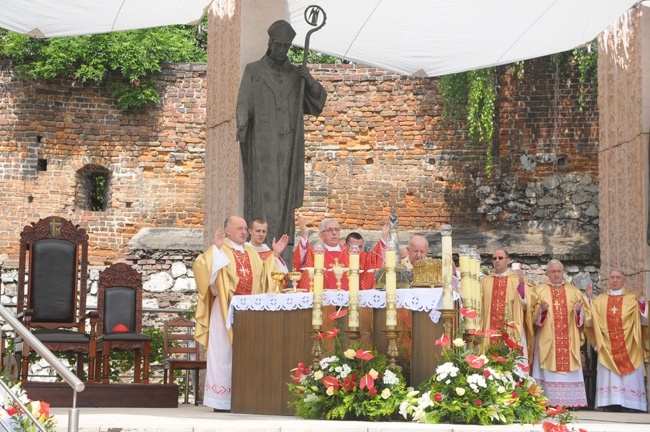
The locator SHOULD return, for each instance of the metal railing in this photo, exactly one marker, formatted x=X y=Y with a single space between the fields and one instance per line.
x=73 y=381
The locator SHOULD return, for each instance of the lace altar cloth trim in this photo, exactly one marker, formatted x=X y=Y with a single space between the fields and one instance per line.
x=415 y=299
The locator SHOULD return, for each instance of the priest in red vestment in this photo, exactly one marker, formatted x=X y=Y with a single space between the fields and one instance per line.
x=615 y=330
x=328 y=231
x=560 y=317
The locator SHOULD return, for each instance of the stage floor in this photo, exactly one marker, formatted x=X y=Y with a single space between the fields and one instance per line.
x=188 y=418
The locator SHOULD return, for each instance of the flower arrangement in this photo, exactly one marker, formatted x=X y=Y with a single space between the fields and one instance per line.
x=492 y=386
x=349 y=384
x=564 y=417
x=13 y=416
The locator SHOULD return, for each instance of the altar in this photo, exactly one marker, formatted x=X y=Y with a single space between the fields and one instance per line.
x=271 y=335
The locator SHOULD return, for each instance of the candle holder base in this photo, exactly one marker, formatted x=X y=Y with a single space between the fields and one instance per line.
x=473 y=340
x=353 y=335
x=392 y=334
x=450 y=322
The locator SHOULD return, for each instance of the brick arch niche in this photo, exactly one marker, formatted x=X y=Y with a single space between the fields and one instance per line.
x=92 y=188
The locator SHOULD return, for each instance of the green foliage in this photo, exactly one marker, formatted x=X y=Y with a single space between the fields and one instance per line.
x=587 y=61
x=127 y=60
x=122 y=362
x=473 y=95
x=296 y=53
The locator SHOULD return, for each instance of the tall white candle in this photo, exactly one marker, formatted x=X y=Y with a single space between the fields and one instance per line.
x=447 y=295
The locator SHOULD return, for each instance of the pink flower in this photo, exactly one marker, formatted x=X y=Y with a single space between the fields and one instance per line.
x=438 y=397
x=443 y=341
x=524 y=367
x=475 y=361
x=486 y=373
x=299 y=371
x=332 y=334
x=468 y=313
x=364 y=355
x=478 y=402
x=330 y=381
x=367 y=381
x=338 y=314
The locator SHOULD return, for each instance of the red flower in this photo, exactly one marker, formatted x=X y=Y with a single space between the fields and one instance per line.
x=486 y=373
x=367 y=381
x=443 y=340
x=349 y=383
x=474 y=361
x=478 y=402
x=330 y=381
x=468 y=313
x=497 y=358
x=11 y=411
x=553 y=411
x=364 y=355
x=372 y=391
x=512 y=325
x=524 y=367
x=438 y=397
x=320 y=335
x=338 y=314
x=297 y=375
x=475 y=332
x=332 y=334
x=511 y=344
x=491 y=333
x=514 y=395
x=552 y=427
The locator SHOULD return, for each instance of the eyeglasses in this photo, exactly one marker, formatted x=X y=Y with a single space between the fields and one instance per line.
x=498 y=258
x=332 y=230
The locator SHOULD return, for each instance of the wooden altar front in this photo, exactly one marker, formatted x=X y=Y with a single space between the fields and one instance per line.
x=268 y=344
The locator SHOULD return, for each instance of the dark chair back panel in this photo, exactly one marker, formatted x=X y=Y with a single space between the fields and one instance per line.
x=119 y=308
x=54 y=281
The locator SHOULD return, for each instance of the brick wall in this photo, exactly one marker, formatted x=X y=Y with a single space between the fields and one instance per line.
x=154 y=158
x=380 y=142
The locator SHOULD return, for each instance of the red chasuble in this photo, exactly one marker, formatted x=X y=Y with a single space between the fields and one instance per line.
x=498 y=304
x=561 y=322
x=244 y=272
x=617 y=335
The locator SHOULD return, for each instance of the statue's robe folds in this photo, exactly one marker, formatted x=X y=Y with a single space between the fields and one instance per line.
x=502 y=304
x=220 y=276
x=557 y=366
x=273 y=155
x=614 y=328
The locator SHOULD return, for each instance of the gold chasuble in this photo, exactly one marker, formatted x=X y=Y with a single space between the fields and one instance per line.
x=560 y=337
x=615 y=331
x=245 y=274
x=501 y=304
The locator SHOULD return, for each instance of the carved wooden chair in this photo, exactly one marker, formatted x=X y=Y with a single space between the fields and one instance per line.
x=119 y=328
x=181 y=352
x=53 y=276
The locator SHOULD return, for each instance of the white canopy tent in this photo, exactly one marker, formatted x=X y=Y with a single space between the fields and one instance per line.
x=421 y=37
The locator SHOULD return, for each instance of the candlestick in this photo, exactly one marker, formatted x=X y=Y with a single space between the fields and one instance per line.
x=466 y=285
x=391 y=285
x=447 y=295
x=353 y=292
x=319 y=262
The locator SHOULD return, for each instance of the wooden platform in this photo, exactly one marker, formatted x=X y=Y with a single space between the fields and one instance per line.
x=106 y=395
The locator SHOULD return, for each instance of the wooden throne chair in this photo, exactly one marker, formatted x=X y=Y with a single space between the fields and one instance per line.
x=119 y=327
x=52 y=286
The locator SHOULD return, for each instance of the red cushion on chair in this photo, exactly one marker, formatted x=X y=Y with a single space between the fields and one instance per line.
x=120 y=328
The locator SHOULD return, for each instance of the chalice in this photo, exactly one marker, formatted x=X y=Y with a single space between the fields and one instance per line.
x=339 y=271
x=310 y=274
x=278 y=277
x=295 y=277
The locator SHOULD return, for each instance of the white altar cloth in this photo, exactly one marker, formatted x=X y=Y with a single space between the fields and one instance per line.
x=415 y=299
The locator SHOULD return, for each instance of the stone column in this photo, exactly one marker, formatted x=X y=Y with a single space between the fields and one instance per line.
x=624 y=104
x=236 y=36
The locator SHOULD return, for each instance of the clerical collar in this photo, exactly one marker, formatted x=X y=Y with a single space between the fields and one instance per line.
x=556 y=285
x=235 y=246
x=616 y=292
x=336 y=248
x=504 y=274
x=263 y=248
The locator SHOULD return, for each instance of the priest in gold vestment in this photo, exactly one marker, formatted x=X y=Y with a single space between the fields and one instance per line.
x=227 y=268
x=560 y=317
x=505 y=299
x=615 y=330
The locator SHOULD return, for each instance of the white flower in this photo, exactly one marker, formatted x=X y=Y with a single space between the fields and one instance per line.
x=330 y=391
x=390 y=378
x=311 y=398
x=425 y=400
x=318 y=375
x=404 y=408
x=350 y=353
x=385 y=393
x=373 y=373
x=346 y=369
x=501 y=389
x=460 y=391
x=419 y=415
x=458 y=342
x=475 y=381
x=446 y=370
